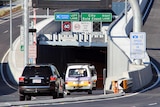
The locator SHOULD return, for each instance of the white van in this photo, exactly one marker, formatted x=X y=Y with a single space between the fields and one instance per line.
x=80 y=77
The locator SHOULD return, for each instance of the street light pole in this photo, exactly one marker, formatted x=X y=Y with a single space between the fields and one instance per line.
x=137 y=21
x=137 y=16
x=26 y=33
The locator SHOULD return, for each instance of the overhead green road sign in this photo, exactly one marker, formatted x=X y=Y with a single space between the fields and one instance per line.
x=102 y=17
x=62 y=16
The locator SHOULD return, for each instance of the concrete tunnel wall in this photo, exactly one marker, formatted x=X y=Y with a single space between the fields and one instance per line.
x=119 y=62
x=49 y=27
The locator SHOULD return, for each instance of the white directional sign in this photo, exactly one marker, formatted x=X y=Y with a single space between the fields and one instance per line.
x=137 y=45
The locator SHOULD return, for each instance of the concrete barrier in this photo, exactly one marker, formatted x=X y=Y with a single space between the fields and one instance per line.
x=119 y=62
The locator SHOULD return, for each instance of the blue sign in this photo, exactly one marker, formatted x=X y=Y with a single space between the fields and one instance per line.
x=71 y=16
x=62 y=17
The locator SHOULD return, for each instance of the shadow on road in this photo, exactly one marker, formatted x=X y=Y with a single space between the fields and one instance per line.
x=8 y=85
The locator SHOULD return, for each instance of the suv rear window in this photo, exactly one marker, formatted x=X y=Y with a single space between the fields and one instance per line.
x=33 y=70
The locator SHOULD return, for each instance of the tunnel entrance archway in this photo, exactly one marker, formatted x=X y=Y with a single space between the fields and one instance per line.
x=61 y=55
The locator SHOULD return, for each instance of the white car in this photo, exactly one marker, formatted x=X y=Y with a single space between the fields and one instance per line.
x=80 y=77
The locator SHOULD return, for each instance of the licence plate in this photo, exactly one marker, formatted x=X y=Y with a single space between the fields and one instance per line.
x=36 y=81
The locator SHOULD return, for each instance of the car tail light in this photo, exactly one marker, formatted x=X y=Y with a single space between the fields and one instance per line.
x=94 y=80
x=53 y=78
x=89 y=82
x=66 y=82
x=21 y=79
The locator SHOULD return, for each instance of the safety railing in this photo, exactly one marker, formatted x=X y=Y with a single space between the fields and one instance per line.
x=79 y=39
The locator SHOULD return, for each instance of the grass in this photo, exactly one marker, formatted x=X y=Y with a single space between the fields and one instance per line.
x=7 y=11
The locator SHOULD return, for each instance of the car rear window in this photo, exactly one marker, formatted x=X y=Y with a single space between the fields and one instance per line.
x=81 y=72
x=33 y=70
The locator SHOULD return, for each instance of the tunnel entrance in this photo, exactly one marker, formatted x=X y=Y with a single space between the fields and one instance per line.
x=61 y=55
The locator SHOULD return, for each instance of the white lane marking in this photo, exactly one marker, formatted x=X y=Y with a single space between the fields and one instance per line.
x=6 y=31
x=152 y=104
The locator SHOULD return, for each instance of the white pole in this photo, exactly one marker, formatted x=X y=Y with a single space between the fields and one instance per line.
x=126 y=11
x=47 y=11
x=11 y=47
x=137 y=17
x=137 y=21
x=26 y=33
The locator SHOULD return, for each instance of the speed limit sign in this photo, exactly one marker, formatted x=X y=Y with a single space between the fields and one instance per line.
x=66 y=26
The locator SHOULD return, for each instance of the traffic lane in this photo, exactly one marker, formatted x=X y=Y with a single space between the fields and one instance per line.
x=5 y=34
x=77 y=94
x=151 y=27
x=73 y=95
x=12 y=95
x=95 y=92
x=140 y=100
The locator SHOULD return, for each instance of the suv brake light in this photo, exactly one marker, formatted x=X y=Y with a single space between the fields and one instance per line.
x=52 y=78
x=66 y=82
x=21 y=79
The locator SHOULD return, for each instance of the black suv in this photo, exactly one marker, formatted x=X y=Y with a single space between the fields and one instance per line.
x=40 y=79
